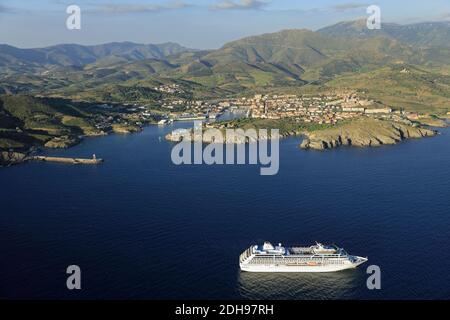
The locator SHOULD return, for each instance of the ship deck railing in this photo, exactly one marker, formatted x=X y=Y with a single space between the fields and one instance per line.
x=325 y=255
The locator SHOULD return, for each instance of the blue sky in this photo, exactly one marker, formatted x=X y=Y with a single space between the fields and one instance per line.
x=203 y=24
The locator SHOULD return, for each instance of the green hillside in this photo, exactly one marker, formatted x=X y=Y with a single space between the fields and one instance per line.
x=346 y=55
x=401 y=86
x=26 y=120
x=424 y=34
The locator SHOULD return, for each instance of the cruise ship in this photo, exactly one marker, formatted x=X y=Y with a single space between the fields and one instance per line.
x=316 y=258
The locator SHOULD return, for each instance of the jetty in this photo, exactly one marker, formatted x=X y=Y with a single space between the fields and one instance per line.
x=93 y=161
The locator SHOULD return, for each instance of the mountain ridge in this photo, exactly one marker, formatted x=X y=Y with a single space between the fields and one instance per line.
x=80 y=55
x=287 y=58
x=433 y=33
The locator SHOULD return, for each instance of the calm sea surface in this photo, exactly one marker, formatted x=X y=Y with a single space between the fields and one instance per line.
x=142 y=228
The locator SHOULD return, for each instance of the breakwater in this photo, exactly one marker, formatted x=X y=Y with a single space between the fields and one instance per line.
x=93 y=161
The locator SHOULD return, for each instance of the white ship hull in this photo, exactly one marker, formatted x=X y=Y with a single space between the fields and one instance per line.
x=313 y=259
x=299 y=268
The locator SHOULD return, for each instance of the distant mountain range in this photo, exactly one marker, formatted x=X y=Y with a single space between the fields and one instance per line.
x=289 y=58
x=79 y=55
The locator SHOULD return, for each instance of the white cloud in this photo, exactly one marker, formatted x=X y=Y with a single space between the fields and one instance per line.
x=136 y=8
x=349 y=6
x=240 y=5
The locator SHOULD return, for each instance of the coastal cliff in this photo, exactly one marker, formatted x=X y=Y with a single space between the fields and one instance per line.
x=62 y=142
x=363 y=133
x=8 y=158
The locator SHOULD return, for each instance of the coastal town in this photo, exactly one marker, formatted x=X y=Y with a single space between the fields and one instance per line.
x=318 y=109
x=321 y=109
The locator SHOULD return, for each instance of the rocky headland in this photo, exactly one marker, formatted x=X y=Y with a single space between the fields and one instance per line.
x=125 y=129
x=433 y=122
x=8 y=158
x=237 y=138
x=62 y=142
x=363 y=133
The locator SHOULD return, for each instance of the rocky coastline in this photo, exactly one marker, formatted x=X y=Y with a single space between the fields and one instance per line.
x=62 y=142
x=125 y=129
x=238 y=138
x=9 y=158
x=364 y=133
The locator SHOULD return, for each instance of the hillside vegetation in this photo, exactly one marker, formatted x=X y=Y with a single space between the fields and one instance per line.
x=26 y=120
x=289 y=58
x=364 y=132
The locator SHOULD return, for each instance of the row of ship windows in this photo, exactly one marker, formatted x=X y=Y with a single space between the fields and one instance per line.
x=269 y=260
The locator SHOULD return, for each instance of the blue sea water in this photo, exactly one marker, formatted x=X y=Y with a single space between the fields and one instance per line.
x=141 y=227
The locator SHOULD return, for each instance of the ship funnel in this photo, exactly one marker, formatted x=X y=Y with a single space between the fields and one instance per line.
x=268 y=246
